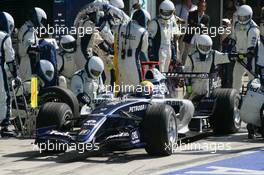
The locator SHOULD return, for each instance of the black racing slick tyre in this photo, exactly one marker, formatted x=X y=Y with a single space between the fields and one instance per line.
x=160 y=130
x=60 y=95
x=53 y=114
x=226 y=118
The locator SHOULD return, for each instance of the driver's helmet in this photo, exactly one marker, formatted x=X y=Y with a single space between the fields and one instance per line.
x=155 y=76
x=46 y=71
x=147 y=89
x=204 y=44
x=94 y=67
x=166 y=9
x=244 y=14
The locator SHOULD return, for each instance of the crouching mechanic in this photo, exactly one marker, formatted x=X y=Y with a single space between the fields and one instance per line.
x=254 y=100
x=203 y=60
x=87 y=83
x=7 y=56
x=66 y=58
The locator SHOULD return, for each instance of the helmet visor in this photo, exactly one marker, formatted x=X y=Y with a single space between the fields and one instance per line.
x=69 y=46
x=95 y=73
x=204 y=48
x=43 y=22
x=49 y=74
x=166 y=13
x=243 y=19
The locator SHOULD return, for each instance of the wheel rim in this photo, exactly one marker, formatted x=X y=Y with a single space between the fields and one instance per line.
x=237 y=118
x=172 y=129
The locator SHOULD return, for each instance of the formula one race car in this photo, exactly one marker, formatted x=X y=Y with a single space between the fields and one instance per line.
x=133 y=121
x=123 y=122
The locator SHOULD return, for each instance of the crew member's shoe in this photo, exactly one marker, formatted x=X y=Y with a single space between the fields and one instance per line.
x=5 y=132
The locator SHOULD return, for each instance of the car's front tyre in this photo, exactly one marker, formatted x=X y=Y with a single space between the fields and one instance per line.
x=160 y=130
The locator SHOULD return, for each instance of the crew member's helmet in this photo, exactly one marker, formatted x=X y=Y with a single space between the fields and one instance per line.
x=204 y=44
x=166 y=9
x=46 y=71
x=38 y=17
x=117 y=3
x=226 y=22
x=68 y=43
x=142 y=17
x=136 y=3
x=6 y=23
x=244 y=14
x=94 y=67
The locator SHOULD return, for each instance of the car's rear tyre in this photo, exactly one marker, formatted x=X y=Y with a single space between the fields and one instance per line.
x=226 y=118
x=60 y=95
x=160 y=130
x=53 y=114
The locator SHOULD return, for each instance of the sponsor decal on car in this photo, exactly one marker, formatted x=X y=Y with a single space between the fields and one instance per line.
x=122 y=134
x=137 y=108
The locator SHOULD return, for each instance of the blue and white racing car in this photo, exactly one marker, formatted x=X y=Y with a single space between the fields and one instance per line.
x=132 y=121
x=123 y=122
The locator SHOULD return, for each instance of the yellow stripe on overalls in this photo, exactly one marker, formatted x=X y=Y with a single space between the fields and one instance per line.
x=34 y=92
x=116 y=68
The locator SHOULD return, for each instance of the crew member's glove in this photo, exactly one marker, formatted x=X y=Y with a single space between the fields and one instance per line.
x=188 y=85
x=84 y=99
x=189 y=89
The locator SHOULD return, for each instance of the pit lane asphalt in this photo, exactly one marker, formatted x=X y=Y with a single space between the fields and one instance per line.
x=17 y=157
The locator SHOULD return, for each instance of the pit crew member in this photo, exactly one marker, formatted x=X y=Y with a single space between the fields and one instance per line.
x=161 y=33
x=87 y=83
x=254 y=100
x=7 y=56
x=245 y=36
x=203 y=60
x=66 y=58
x=28 y=42
x=132 y=49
